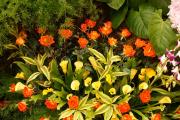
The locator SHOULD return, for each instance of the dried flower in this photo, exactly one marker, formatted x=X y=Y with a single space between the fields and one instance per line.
x=105 y=30
x=65 y=33
x=52 y=105
x=128 y=51
x=82 y=42
x=46 y=40
x=145 y=96
x=22 y=106
x=73 y=102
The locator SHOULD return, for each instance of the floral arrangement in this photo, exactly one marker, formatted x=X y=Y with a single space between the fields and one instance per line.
x=88 y=70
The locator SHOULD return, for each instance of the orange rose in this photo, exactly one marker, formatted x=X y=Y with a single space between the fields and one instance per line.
x=128 y=50
x=23 y=34
x=68 y=118
x=96 y=105
x=40 y=30
x=52 y=105
x=156 y=116
x=46 y=40
x=27 y=92
x=124 y=107
x=145 y=96
x=125 y=32
x=90 y=23
x=12 y=87
x=65 y=33
x=126 y=117
x=93 y=35
x=105 y=30
x=149 y=50
x=112 y=41
x=22 y=106
x=20 y=41
x=140 y=43
x=108 y=24
x=73 y=102
x=83 y=27
x=82 y=42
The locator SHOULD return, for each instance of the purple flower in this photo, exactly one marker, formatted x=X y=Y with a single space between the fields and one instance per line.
x=170 y=55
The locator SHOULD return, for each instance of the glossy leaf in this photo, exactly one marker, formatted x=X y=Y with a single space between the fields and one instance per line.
x=45 y=71
x=66 y=113
x=83 y=101
x=108 y=114
x=98 y=55
x=102 y=109
x=33 y=76
x=116 y=4
x=106 y=1
x=29 y=60
x=105 y=98
x=105 y=72
x=78 y=116
x=118 y=74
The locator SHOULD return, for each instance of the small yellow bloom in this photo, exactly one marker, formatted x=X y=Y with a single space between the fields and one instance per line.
x=46 y=91
x=108 y=79
x=143 y=86
x=164 y=100
x=112 y=91
x=148 y=72
x=96 y=85
x=127 y=89
x=93 y=62
x=133 y=73
x=69 y=96
x=85 y=74
x=75 y=85
x=87 y=81
x=19 y=86
x=20 y=75
x=78 y=65
x=63 y=65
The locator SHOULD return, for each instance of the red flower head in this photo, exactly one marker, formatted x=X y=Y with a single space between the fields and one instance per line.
x=90 y=23
x=65 y=33
x=22 y=106
x=112 y=41
x=27 y=92
x=93 y=35
x=46 y=40
x=140 y=43
x=12 y=87
x=156 y=117
x=83 y=27
x=124 y=107
x=68 y=118
x=125 y=33
x=82 y=42
x=145 y=96
x=128 y=51
x=108 y=24
x=149 y=50
x=73 y=102
x=52 y=105
x=96 y=105
x=126 y=117
x=20 y=41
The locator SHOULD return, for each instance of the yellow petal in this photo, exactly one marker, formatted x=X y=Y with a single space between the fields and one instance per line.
x=164 y=100
x=126 y=89
x=20 y=75
x=143 y=86
x=87 y=81
x=96 y=85
x=63 y=65
x=133 y=73
x=112 y=91
x=78 y=65
x=141 y=77
x=150 y=72
x=93 y=62
x=75 y=85
x=108 y=79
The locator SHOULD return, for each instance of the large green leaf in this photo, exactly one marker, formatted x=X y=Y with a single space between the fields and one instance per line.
x=118 y=17
x=116 y=4
x=138 y=21
x=161 y=34
x=45 y=71
x=107 y=1
x=33 y=76
x=98 y=55
x=108 y=114
x=102 y=109
x=66 y=113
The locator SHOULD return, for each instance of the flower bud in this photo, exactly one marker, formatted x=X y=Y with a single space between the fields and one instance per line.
x=108 y=79
x=126 y=89
x=75 y=85
x=112 y=91
x=78 y=65
x=63 y=65
x=143 y=86
x=87 y=81
x=164 y=100
x=96 y=85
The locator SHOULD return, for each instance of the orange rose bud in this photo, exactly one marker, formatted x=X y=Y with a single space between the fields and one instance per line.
x=149 y=50
x=23 y=34
x=108 y=24
x=93 y=35
x=83 y=27
x=145 y=96
x=82 y=42
x=156 y=116
x=46 y=40
x=124 y=107
x=27 y=92
x=140 y=43
x=52 y=105
x=40 y=30
x=73 y=102
x=12 y=87
x=22 y=106
x=105 y=30
x=128 y=50
x=125 y=33
x=68 y=118
x=126 y=117
x=20 y=41
x=65 y=33
x=112 y=41
x=90 y=23
x=96 y=105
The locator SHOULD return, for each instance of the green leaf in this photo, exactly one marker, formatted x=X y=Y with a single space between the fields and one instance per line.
x=108 y=114
x=105 y=98
x=115 y=58
x=105 y=72
x=98 y=55
x=45 y=71
x=29 y=60
x=141 y=114
x=83 y=101
x=59 y=80
x=33 y=76
x=78 y=116
x=118 y=74
x=102 y=109
x=66 y=113
x=115 y=98
x=107 y=1
x=60 y=105
x=137 y=21
x=118 y=17
x=54 y=72
x=86 y=107
x=10 y=46
x=35 y=98
x=116 y=4
x=69 y=77
x=161 y=35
